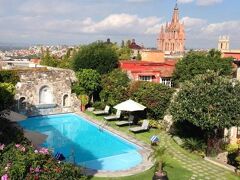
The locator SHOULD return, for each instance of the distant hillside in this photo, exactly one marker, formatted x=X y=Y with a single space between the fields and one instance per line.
x=9 y=46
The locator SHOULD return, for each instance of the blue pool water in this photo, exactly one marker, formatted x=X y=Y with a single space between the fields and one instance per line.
x=83 y=143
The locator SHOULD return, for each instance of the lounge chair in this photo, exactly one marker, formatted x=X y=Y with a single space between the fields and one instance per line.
x=124 y=123
x=113 y=117
x=102 y=112
x=144 y=127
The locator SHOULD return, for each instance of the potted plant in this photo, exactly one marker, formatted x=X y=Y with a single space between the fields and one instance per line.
x=84 y=101
x=157 y=155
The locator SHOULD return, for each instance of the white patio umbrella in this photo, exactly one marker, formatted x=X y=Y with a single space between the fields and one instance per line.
x=129 y=106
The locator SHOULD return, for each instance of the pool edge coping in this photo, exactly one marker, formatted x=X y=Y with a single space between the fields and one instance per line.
x=145 y=151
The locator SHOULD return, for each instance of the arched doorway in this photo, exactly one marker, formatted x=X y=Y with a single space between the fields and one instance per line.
x=45 y=95
x=65 y=101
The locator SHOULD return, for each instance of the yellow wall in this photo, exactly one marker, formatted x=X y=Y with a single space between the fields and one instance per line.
x=152 y=56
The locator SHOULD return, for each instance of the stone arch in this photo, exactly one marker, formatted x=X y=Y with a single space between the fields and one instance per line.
x=45 y=95
x=65 y=100
x=22 y=103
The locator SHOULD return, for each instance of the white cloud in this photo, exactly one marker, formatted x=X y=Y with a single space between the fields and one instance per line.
x=227 y=27
x=191 y=23
x=185 y=1
x=208 y=2
x=138 y=1
x=47 y=7
x=201 y=2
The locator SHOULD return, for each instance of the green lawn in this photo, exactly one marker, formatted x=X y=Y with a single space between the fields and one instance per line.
x=173 y=168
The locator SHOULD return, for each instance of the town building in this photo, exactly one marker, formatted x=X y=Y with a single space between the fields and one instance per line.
x=171 y=39
x=158 y=72
x=224 y=47
x=136 y=49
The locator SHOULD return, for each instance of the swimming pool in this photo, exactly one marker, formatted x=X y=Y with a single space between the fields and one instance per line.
x=83 y=143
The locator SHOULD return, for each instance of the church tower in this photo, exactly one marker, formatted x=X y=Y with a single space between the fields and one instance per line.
x=223 y=43
x=171 y=39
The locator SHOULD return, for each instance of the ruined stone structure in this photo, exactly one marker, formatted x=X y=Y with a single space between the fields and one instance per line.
x=45 y=91
x=172 y=37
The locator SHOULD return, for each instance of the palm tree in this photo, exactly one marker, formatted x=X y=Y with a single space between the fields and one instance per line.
x=157 y=154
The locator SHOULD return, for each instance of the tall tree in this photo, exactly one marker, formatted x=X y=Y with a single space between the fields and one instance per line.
x=48 y=60
x=114 y=87
x=99 y=56
x=210 y=102
x=66 y=60
x=88 y=82
x=195 y=63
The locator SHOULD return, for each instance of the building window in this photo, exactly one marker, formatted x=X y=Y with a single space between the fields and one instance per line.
x=145 y=78
x=166 y=81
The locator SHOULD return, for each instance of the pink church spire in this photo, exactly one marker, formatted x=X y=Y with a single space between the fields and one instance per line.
x=172 y=35
x=175 y=17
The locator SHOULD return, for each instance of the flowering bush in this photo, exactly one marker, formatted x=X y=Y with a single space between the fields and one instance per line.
x=23 y=161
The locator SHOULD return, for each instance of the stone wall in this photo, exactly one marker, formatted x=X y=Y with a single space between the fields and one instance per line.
x=46 y=91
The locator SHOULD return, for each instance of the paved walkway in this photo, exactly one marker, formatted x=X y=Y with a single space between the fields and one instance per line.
x=201 y=169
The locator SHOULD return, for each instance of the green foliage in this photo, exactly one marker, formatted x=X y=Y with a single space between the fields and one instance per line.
x=84 y=99
x=88 y=82
x=9 y=133
x=7 y=76
x=99 y=105
x=124 y=53
x=66 y=60
x=231 y=148
x=156 y=97
x=48 y=60
x=7 y=92
x=237 y=159
x=195 y=63
x=157 y=154
x=193 y=144
x=99 y=56
x=114 y=87
x=139 y=57
x=30 y=165
x=208 y=101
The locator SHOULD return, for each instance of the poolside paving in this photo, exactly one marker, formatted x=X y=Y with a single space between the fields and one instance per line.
x=200 y=168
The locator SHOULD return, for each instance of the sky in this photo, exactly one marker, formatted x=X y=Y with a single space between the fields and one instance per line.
x=85 y=21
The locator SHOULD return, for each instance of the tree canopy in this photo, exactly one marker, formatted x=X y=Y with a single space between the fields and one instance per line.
x=156 y=97
x=99 y=56
x=88 y=82
x=208 y=101
x=195 y=63
x=48 y=60
x=114 y=87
